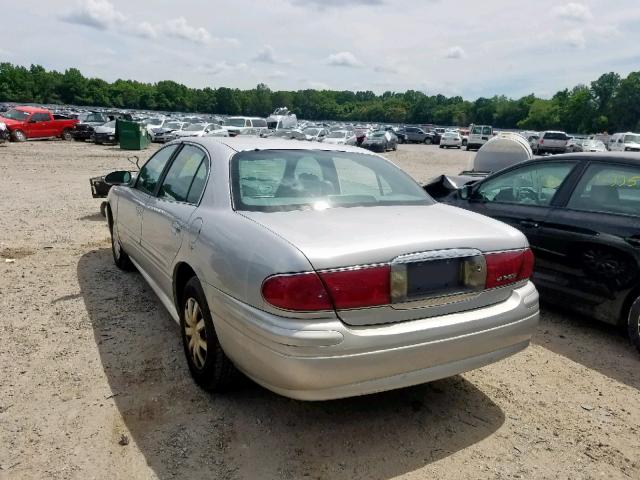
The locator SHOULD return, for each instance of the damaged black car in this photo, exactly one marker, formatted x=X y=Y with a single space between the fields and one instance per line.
x=581 y=214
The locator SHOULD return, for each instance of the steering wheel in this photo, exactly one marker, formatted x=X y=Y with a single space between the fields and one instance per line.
x=527 y=193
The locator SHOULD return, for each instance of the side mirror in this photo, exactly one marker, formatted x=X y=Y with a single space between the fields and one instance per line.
x=119 y=177
x=465 y=192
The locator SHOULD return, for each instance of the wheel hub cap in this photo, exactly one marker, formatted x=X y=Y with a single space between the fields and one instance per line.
x=195 y=332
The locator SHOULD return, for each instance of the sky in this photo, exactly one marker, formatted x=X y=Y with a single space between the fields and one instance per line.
x=469 y=48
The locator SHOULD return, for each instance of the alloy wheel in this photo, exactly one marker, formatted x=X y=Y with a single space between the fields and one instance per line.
x=196 y=333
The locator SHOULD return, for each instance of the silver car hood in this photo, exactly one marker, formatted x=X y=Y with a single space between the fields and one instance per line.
x=341 y=237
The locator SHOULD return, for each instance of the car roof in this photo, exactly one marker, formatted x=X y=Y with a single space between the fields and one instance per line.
x=32 y=109
x=246 y=143
x=632 y=158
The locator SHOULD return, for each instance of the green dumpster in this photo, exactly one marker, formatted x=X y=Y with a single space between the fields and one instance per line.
x=132 y=135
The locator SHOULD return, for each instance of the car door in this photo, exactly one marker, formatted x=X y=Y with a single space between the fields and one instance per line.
x=37 y=126
x=596 y=235
x=131 y=201
x=522 y=197
x=167 y=217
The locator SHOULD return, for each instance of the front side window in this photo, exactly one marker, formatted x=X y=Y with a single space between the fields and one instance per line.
x=477 y=130
x=278 y=180
x=151 y=172
x=608 y=189
x=180 y=177
x=529 y=185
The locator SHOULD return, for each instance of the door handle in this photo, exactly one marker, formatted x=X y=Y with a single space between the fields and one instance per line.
x=176 y=228
x=529 y=224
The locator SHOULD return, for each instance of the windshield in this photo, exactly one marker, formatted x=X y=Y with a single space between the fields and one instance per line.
x=14 y=114
x=234 y=122
x=278 y=180
x=337 y=135
x=154 y=121
x=311 y=131
x=94 y=117
x=195 y=127
x=632 y=139
x=175 y=125
x=378 y=134
x=259 y=122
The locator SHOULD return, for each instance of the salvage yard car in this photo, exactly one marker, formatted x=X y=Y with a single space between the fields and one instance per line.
x=26 y=123
x=581 y=214
x=84 y=129
x=450 y=139
x=319 y=271
x=552 y=142
x=381 y=141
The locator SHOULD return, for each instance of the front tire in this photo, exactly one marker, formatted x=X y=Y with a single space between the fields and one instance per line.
x=208 y=364
x=634 y=323
x=19 y=136
x=428 y=141
x=120 y=257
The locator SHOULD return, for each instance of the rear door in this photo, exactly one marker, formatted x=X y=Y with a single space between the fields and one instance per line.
x=168 y=215
x=595 y=249
x=132 y=201
x=522 y=197
x=39 y=125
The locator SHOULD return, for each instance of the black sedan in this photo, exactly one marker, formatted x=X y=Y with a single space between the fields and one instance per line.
x=581 y=214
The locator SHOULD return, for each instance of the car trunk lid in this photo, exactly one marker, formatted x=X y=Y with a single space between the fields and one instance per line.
x=429 y=244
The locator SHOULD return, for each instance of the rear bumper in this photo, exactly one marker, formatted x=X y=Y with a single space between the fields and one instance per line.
x=324 y=359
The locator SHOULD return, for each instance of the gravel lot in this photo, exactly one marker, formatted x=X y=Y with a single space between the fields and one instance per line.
x=93 y=383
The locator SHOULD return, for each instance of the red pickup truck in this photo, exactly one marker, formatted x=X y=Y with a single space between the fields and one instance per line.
x=31 y=122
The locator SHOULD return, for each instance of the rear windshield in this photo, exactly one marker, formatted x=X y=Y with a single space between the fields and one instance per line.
x=280 y=180
x=555 y=136
x=259 y=123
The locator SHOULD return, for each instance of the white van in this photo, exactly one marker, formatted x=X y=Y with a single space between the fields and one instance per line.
x=625 y=142
x=478 y=136
x=244 y=125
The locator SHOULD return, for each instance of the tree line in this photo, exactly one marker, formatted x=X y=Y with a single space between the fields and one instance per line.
x=610 y=103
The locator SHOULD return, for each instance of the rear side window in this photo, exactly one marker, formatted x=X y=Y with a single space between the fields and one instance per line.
x=181 y=175
x=40 y=117
x=608 y=189
x=486 y=131
x=151 y=172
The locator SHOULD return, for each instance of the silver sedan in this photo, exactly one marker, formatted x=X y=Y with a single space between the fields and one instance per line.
x=319 y=271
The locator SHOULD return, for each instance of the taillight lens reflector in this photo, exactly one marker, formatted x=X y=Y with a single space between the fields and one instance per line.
x=505 y=268
x=300 y=292
x=359 y=287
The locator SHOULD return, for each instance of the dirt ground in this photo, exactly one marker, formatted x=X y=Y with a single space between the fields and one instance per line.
x=93 y=383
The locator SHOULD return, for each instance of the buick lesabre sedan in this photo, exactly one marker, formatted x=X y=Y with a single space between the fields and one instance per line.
x=319 y=271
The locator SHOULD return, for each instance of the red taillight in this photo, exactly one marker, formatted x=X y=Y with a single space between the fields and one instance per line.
x=340 y=289
x=359 y=287
x=301 y=292
x=505 y=268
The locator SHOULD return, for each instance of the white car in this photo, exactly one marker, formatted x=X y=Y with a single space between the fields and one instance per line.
x=199 y=130
x=314 y=134
x=451 y=139
x=341 y=137
x=625 y=142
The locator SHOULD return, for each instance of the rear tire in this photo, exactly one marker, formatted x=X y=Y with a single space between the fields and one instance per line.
x=66 y=135
x=634 y=323
x=19 y=136
x=210 y=368
x=428 y=141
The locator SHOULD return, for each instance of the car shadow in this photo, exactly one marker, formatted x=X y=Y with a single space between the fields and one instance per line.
x=596 y=345
x=250 y=432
